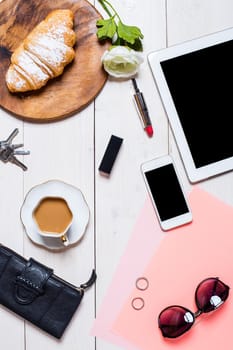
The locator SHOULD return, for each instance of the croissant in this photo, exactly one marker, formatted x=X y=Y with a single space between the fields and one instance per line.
x=43 y=54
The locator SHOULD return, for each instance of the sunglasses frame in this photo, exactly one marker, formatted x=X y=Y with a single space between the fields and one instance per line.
x=194 y=314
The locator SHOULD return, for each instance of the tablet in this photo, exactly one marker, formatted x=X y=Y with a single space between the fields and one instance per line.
x=195 y=82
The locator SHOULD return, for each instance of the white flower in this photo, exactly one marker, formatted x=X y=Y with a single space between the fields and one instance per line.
x=114 y=38
x=121 y=61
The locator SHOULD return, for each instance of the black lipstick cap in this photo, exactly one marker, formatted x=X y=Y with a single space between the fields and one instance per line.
x=110 y=155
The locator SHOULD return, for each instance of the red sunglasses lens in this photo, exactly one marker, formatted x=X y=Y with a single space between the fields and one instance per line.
x=175 y=320
x=210 y=294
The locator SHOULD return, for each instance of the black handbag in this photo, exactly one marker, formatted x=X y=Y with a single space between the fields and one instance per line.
x=32 y=291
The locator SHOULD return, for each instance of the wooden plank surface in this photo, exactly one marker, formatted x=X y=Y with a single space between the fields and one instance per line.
x=11 y=189
x=71 y=150
x=120 y=198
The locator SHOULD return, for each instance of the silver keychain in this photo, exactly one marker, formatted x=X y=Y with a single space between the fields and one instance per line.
x=8 y=151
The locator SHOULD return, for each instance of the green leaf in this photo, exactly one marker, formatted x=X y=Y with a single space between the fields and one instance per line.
x=129 y=33
x=107 y=28
x=137 y=46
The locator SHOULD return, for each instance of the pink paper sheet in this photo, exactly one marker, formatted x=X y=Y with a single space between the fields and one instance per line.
x=144 y=240
x=185 y=257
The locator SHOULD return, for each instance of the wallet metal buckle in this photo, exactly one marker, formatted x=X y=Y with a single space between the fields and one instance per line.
x=32 y=282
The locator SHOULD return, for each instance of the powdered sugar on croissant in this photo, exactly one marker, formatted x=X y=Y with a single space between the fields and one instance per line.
x=43 y=54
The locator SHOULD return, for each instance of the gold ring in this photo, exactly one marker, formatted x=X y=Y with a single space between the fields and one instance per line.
x=137 y=303
x=142 y=283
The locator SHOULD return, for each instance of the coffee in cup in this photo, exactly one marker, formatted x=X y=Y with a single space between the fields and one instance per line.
x=53 y=218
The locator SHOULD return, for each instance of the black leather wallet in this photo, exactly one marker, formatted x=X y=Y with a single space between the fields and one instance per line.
x=31 y=290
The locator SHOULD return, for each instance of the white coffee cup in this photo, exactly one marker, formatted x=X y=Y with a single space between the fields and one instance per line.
x=53 y=218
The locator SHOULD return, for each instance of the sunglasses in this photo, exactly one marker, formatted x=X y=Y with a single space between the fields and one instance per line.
x=175 y=320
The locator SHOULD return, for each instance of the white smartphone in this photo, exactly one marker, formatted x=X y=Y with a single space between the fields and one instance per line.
x=166 y=192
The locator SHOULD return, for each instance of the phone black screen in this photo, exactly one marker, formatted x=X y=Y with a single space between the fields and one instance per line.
x=166 y=191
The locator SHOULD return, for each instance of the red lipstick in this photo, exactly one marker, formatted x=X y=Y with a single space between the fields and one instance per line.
x=142 y=109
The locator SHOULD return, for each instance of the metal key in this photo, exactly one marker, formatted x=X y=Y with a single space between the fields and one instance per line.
x=12 y=136
x=8 y=141
x=9 y=151
x=21 y=153
x=15 y=161
x=7 y=155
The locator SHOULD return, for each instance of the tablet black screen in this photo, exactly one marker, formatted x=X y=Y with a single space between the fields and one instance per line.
x=201 y=87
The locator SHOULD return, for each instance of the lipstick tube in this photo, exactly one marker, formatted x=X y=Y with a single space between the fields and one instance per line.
x=142 y=109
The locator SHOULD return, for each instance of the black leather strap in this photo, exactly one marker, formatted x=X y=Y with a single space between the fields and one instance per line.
x=31 y=282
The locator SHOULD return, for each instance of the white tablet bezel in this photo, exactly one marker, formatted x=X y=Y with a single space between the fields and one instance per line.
x=155 y=58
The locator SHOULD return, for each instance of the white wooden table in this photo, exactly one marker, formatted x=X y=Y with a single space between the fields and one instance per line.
x=71 y=151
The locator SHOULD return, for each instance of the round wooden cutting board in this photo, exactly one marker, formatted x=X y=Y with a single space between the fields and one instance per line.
x=81 y=81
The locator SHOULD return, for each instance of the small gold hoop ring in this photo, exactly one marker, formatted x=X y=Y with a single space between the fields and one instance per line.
x=142 y=283
x=137 y=303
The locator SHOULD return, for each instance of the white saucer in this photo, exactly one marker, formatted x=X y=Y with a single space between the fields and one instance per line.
x=77 y=204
